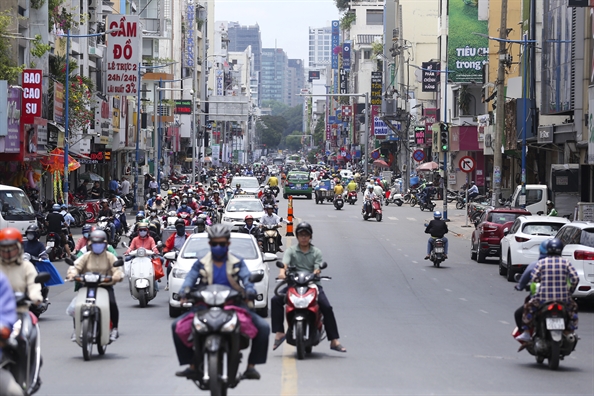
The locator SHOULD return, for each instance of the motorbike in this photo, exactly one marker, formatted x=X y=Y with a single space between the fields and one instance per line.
x=304 y=319
x=104 y=223
x=141 y=275
x=393 y=197
x=269 y=243
x=428 y=204
x=41 y=223
x=374 y=210
x=437 y=255
x=129 y=198
x=185 y=217
x=352 y=197
x=91 y=312
x=217 y=337
x=338 y=202
x=54 y=247
x=22 y=351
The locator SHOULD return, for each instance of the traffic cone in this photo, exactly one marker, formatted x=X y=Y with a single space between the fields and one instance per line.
x=290 y=217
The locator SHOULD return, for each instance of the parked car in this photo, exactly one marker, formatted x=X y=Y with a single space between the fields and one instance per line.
x=297 y=183
x=578 y=238
x=239 y=207
x=519 y=246
x=488 y=231
x=196 y=247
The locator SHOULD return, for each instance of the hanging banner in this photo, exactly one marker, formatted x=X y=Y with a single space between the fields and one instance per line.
x=335 y=44
x=430 y=78
x=123 y=54
x=190 y=17
x=590 y=126
x=58 y=103
x=343 y=84
x=32 y=83
x=376 y=88
x=12 y=140
x=346 y=56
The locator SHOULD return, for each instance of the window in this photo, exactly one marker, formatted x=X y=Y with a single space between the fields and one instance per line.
x=569 y=235
x=501 y=218
x=241 y=247
x=587 y=238
x=515 y=227
x=375 y=17
x=366 y=54
x=533 y=196
x=546 y=229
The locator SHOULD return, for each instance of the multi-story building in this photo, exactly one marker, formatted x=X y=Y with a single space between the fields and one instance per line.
x=273 y=76
x=320 y=42
x=295 y=82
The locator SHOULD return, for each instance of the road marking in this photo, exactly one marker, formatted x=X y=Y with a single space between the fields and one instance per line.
x=393 y=218
x=289 y=370
x=448 y=290
x=331 y=215
x=406 y=255
x=483 y=311
x=463 y=299
x=415 y=262
x=423 y=269
x=354 y=217
x=411 y=219
x=504 y=322
x=400 y=250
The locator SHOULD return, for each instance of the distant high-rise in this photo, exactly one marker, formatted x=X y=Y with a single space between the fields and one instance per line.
x=274 y=75
x=320 y=47
x=241 y=36
x=296 y=82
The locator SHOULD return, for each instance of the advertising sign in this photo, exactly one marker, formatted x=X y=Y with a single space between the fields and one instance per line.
x=376 y=88
x=590 y=126
x=420 y=135
x=467 y=52
x=32 y=87
x=59 y=103
x=183 y=106
x=313 y=75
x=431 y=117
x=430 y=78
x=96 y=157
x=190 y=33
x=335 y=43
x=343 y=84
x=12 y=140
x=346 y=55
x=123 y=54
x=380 y=129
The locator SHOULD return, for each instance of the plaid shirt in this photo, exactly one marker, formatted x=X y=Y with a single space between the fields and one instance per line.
x=553 y=273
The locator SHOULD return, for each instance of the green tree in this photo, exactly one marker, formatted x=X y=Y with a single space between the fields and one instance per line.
x=319 y=132
x=277 y=108
x=270 y=130
x=9 y=69
x=293 y=142
x=343 y=5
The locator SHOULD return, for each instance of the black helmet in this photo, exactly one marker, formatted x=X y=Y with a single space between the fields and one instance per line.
x=34 y=230
x=268 y=207
x=98 y=236
x=304 y=226
x=87 y=228
x=179 y=222
x=554 y=247
x=219 y=231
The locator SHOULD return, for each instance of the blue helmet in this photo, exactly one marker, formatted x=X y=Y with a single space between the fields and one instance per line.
x=554 y=247
x=56 y=208
x=64 y=207
x=437 y=214
x=543 y=247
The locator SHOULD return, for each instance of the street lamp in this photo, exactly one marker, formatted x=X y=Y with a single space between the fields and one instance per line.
x=67 y=95
x=445 y=153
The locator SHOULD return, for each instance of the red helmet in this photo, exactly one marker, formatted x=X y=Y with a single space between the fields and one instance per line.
x=10 y=236
x=248 y=217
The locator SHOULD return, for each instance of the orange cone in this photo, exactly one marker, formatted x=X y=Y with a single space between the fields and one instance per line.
x=290 y=217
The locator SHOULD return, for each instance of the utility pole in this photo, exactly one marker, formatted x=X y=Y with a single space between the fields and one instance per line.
x=500 y=110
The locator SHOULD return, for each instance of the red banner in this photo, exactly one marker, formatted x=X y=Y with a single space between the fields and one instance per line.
x=31 y=100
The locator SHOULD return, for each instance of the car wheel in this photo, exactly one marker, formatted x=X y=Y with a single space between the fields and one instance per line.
x=502 y=269
x=174 y=312
x=472 y=252
x=510 y=272
x=285 y=196
x=481 y=256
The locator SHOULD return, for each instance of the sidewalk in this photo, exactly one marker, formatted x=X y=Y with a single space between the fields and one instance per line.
x=457 y=222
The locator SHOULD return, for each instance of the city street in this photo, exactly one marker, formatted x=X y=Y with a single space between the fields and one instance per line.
x=409 y=328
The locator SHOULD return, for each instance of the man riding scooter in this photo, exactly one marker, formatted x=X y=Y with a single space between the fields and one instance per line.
x=437 y=228
x=368 y=197
x=428 y=192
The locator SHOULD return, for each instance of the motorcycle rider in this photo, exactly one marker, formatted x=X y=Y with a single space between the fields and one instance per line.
x=472 y=191
x=352 y=186
x=185 y=208
x=107 y=212
x=83 y=241
x=427 y=193
x=96 y=191
x=32 y=245
x=270 y=218
x=305 y=257
x=55 y=222
x=68 y=219
x=338 y=190
x=268 y=198
x=250 y=228
x=175 y=242
x=99 y=260
x=143 y=240
x=118 y=205
x=172 y=202
x=368 y=197
x=238 y=189
x=221 y=267
x=150 y=201
x=437 y=228
x=558 y=279
x=140 y=217
x=551 y=211
x=8 y=317
x=273 y=181
x=200 y=224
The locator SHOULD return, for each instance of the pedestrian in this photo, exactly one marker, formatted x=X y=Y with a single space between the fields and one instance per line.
x=125 y=188
x=114 y=186
x=153 y=186
x=96 y=191
x=147 y=180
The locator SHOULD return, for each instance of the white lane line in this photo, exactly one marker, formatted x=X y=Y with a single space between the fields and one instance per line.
x=504 y=322
x=423 y=269
x=415 y=262
x=354 y=217
x=406 y=255
x=411 y=219
x=331 y=215
x=483 y=311
x=463 y=299
x=448 y=290
x=394 y=245
x=400 y=250
x=393 y=218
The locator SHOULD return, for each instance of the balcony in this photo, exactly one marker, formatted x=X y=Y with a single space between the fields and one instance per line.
x=153 y=28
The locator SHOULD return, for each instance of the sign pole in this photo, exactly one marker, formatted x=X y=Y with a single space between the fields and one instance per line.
x=466 y=199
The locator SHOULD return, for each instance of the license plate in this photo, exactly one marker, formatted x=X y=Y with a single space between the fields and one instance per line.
x=555 y=324
x=438 y=250
x=297 y=185
x=50 y=244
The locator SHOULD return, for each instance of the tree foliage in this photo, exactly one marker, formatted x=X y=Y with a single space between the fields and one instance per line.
x=342 y=5
x=270 y=130
x=319 y=132
x=293 y=142
x=9 y=69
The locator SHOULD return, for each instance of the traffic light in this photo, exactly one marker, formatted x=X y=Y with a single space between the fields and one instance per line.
x=444 y=137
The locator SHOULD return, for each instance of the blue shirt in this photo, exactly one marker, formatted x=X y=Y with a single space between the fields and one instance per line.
x=113 y=185
x=219 y=276
x=243 y=274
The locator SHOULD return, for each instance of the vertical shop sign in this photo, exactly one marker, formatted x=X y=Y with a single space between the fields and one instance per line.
x=123 y=54
x=32 y=88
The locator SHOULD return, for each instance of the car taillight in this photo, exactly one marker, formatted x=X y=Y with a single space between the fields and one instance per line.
x=489 y=227
x=520 y=239
x=583 y=255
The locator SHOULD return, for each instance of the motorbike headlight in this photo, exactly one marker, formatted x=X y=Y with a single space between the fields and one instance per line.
x=199 y=325
x=91 y=278
x=227 y=219
x=179 y=273
x=230 y=325
x=301 y=302
x=141 y=252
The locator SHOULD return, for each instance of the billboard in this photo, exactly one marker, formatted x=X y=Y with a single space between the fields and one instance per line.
x=124 y=46
x=467 y=52
x=335 y=43
x=430 y=77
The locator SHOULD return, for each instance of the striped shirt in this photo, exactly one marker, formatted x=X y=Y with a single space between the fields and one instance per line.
x=553 y=274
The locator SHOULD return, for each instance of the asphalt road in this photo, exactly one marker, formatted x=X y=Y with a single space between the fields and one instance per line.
x=409 y=328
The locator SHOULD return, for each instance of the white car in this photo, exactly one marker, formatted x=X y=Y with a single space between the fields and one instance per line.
x=249 y=184
x=196 y=247
x=519 y=246
x=239 y=207
x=578 y=241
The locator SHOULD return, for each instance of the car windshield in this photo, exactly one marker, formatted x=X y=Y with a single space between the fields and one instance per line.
x=547 y=229
x=246 y=182
x=241 y=205
x=502 y=218
x=16 y=206
x=298 y=176
x=241 y=247
x=587 y=238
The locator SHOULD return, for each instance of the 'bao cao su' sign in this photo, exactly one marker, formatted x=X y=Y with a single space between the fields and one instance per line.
x=123 y=54
x=32 y=86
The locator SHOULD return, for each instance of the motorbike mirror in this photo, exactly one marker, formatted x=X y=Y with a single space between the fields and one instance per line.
x=324 y=265
x=68 y=261
x=257 y=276
x=540 y=213
x=119 y=262
x=517 y=277
x=221 y=210
x=124 y=244
x=505 y=231
x=277 y=201
x=269 y=257
x=171 y=256
x=280 y=264
x=42 y=277
x=159 y=244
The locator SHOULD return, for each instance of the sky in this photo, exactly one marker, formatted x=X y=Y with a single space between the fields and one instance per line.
x=286 y=21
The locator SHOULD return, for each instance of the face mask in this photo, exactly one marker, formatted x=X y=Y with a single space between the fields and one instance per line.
x=219 y=252
x=30 y=237
x=181 y=230
x=98 y=248
x=86 y=235
x=143 y=233
x=184 y=206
